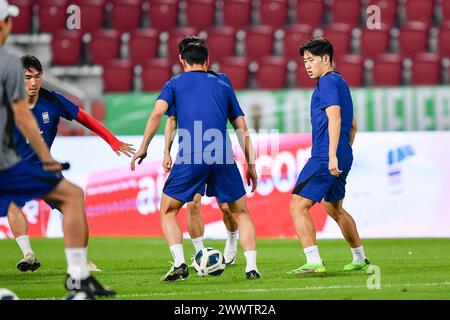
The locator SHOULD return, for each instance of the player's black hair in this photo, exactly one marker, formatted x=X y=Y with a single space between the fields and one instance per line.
x=31 y=62
x=195 y=53
x=318 y=47
x=190 y=39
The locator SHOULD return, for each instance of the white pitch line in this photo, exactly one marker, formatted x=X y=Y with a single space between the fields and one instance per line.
x=168 y=294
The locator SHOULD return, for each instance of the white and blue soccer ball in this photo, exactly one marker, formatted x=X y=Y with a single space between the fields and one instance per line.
x=209 y=262
x=6 y=294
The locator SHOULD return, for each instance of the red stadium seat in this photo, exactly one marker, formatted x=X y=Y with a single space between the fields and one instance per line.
x=92 y=14
x=221 y=42
x=346 y=11
x=273 y=12
x=413 y=38
x=66 y=47
x=271 y=73
x=126 y=14
x=52 y=15
x=258 y=41
x=22 y=23
x=98 y=110
x=387 y=70
x=118 y=75
x=375 y=41
x=163 y=14
x=175 y=36
x=200 y=13
x=156 y=72
x=444 y=36
x=388 y=11
x=446 y=10
x=143 y=45
x=294 y=37
x=302 y=78
x=352 y=69
x=340 y=35
x=104 y=46
x=310 y=12
x=236 y=68
x=237 y=13
x=426 y=69
x=420 y=10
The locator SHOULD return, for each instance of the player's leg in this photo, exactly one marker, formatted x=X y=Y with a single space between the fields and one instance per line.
x=232 y=234
x=174 y=237
x=195 y=225
x=350 y=233
x=247 y=235
x=19 y=227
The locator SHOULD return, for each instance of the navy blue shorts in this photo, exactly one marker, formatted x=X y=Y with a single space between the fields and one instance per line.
x=222 y=181
x=315 y=181
x=24 y=182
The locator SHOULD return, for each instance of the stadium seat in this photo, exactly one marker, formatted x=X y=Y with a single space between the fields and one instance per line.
x=346 y=11
x=237 y=13
x=294 y=37
x=200 y=13
x=352 y=69
x=446 y=10
x=52 y=15
x=143 y=45
x=271 y=73
x=443 y=38
x=258 y=41
x=273 y=12
x=66 y=47
x=340 y=35
x=310 y=12
x=420 y=10
x=388 y=11
x=426 y=69
x=105 y=45
x=118 y=75
x=175 y=36
x=413 y=38
x=155 y=73
x=302 y=78
x=387 y=70
x=98 y=110
x=126 y=14
x=92 y=14
x=163 y=14
x=22 y=23
x=374 y=41
x=221 y=42
x=236 y=68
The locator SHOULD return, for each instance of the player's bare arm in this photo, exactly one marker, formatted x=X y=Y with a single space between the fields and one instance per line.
x=169 y=134
x=245 y=142
x=153 y=123
x=334 y=131
x=353 y=131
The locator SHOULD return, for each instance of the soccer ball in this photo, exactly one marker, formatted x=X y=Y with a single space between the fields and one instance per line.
x=209 y=262
x=6 y=294
x=73 y=295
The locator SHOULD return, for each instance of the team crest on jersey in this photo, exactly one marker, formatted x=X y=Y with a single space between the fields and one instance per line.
x=45 y=117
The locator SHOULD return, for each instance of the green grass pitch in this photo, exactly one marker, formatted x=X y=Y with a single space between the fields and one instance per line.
x=409 y=269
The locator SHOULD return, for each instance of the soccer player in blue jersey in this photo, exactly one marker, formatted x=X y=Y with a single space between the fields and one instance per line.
x=194 y=219
x=48 y=107
x=203 y=104
x=324 y=175
x=22 y=180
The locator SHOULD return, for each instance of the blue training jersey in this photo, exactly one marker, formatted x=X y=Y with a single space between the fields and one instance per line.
x=49 y=107
x=203 y=102
x=331 y=90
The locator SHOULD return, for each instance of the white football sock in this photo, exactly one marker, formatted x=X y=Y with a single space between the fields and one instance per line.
x=358 y=254
x=250 y=257
x=231 y=243
x=24 y=244
x=76 y=263
x=198 y=244
x=177 y=254
x=312 y=254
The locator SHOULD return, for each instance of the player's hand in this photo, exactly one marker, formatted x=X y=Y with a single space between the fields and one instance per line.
x=333 y=166
x=127 y=149
x=167 y=162
x=141 y=155
x=52 y=166
x=252 y=177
